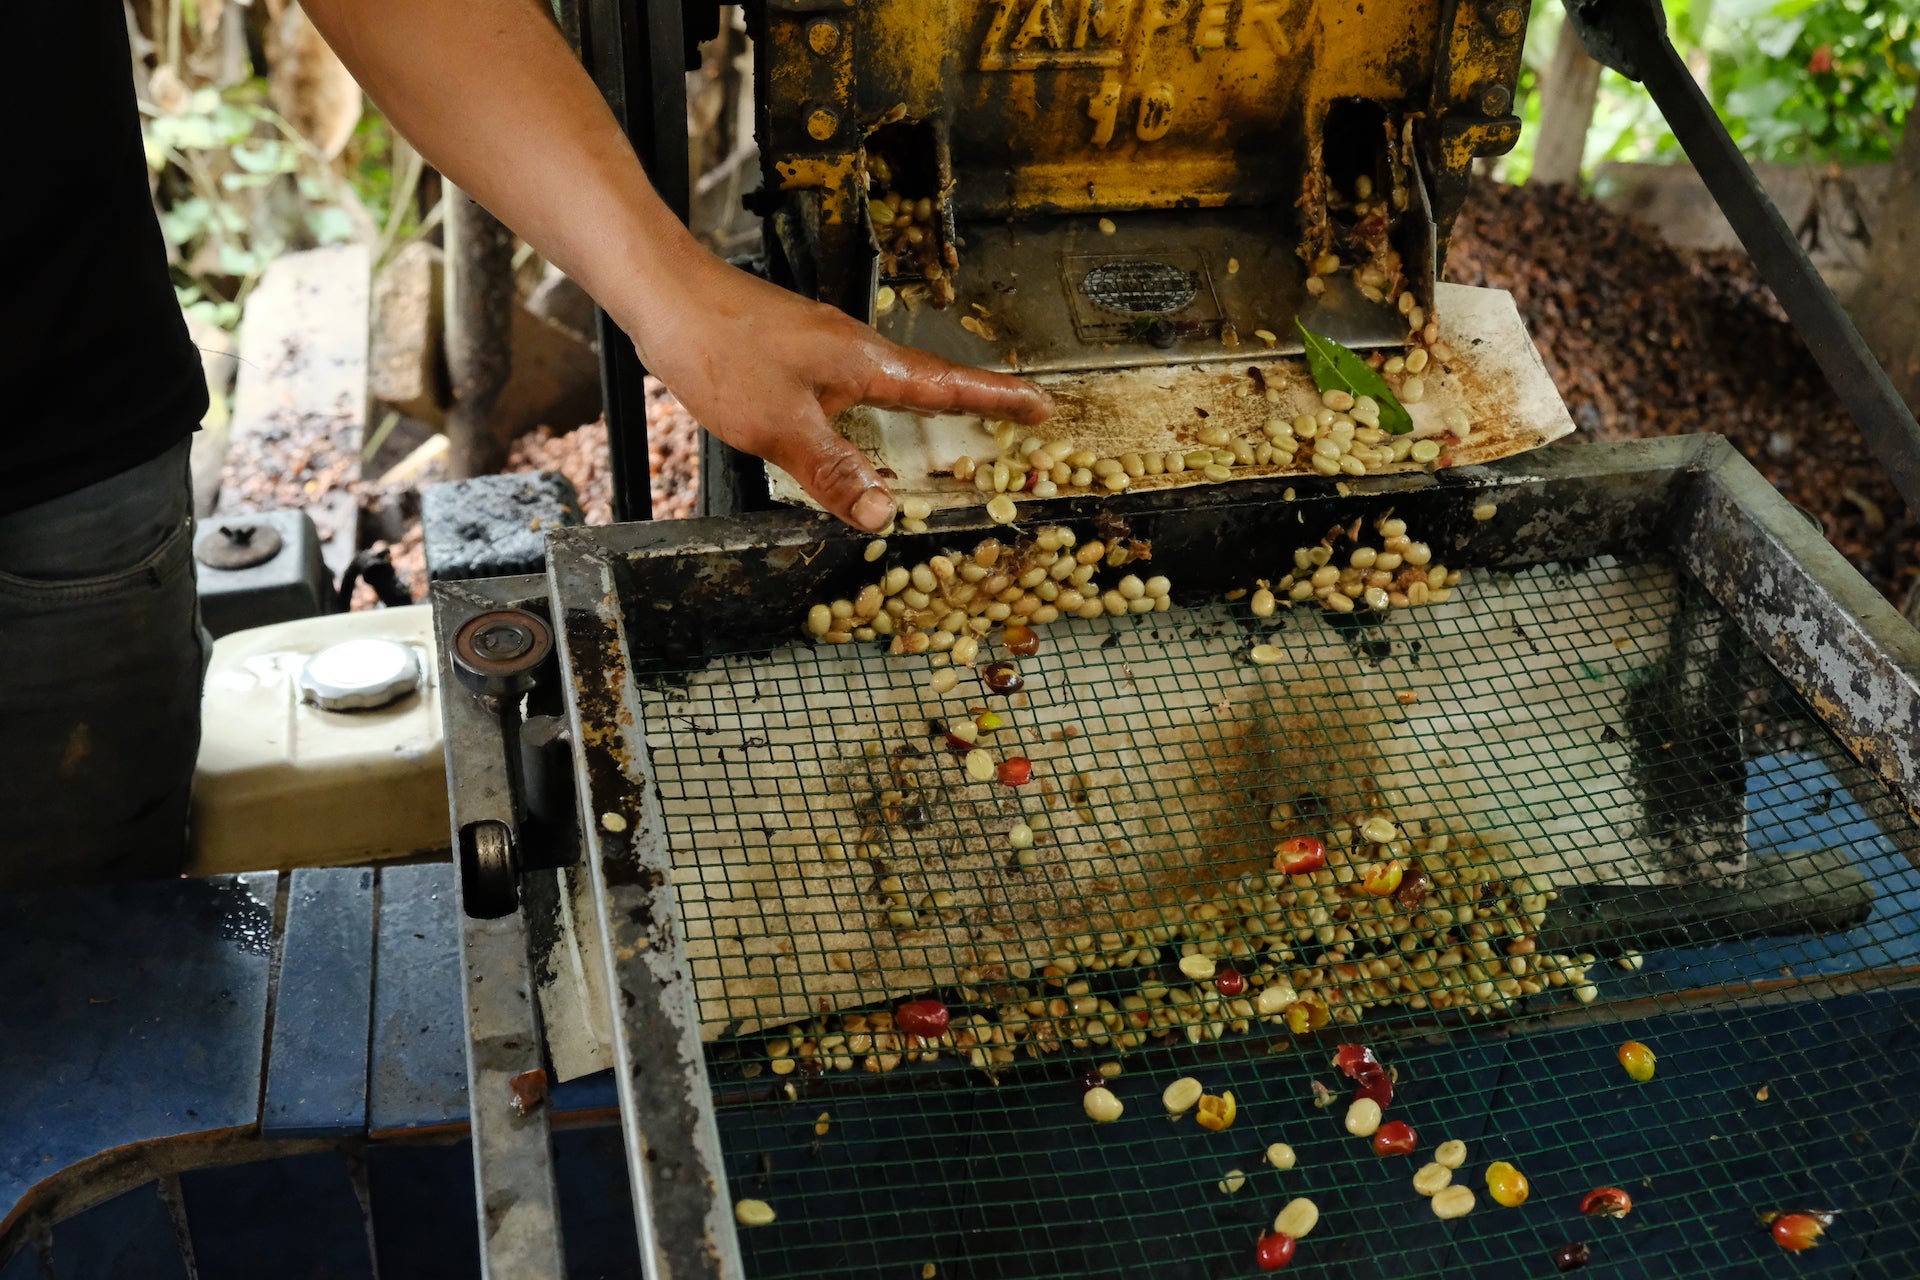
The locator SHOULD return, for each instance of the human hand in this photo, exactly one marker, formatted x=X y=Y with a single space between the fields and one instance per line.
x=766 y=370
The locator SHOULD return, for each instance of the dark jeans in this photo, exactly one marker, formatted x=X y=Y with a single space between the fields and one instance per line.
x=101 y=656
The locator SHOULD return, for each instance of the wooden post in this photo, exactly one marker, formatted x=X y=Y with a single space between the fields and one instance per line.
x=1569 y=90
x=479 y=327
x=1887 y=305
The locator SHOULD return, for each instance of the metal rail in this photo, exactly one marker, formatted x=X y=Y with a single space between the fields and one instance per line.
x=682 y=1209
x=1630 y=36
x=1837 y=641
x=518 y=1199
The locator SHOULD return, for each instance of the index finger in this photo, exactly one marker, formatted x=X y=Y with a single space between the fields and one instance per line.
x=904 y=378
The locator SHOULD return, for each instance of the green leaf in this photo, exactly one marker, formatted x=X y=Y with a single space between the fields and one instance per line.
x=235 y=261
x=330 y=225
x=185 y=220
x=1335 y=368
x=184 y=133
x=269 y=157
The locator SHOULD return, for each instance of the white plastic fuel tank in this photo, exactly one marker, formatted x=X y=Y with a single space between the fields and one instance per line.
x=297 y=769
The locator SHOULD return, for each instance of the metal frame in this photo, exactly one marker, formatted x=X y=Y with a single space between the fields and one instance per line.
x=628 y=599
x=518 y=1199
x=682 y=1210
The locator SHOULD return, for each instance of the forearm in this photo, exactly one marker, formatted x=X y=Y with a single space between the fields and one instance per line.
x=491 y=95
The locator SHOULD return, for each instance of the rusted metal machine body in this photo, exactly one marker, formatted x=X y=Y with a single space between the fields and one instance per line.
x=1221 y=141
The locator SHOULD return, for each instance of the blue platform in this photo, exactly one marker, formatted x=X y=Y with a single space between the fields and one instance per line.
x=307 y=1080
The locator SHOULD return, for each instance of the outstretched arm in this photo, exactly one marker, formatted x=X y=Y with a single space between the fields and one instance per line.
x=488 y=91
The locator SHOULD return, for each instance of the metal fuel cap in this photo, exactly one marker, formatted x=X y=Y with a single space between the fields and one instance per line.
x=359 y=675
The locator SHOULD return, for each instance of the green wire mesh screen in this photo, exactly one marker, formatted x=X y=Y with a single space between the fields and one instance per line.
x=1629 y=829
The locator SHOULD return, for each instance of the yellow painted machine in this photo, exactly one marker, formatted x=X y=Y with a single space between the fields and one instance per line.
x=1107 y=182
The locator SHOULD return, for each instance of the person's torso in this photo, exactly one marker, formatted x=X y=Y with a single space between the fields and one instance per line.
x=96 y=370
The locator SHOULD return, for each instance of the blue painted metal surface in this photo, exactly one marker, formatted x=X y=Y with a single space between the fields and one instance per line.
x=134 y=1013
x=130 y=1237
x=1795 y=802
x=596 y=1210
x=424 y=1224
x=294 y=1218
x=597 y=1092
x=25 y=1265
x=317 y=1066
x=418 y=1075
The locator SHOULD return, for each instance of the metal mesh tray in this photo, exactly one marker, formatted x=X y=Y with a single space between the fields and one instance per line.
x=1593 y=710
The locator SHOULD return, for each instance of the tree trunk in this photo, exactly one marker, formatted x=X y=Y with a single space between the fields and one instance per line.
x=1571 y=86
x=479 y=329
x=1887 y=306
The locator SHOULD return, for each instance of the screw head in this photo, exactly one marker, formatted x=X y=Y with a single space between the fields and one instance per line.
x=503 y=640
x=823 y=37
x=1495 y=100
x=822 y=124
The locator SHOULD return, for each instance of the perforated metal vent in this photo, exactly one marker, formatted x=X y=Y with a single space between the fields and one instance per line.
x=1140 y=287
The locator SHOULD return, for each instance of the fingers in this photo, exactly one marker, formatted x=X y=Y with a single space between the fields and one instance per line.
x=834 y=472
x=903 y=378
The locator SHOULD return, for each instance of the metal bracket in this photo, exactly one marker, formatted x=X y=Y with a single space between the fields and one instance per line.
x=1630 y=36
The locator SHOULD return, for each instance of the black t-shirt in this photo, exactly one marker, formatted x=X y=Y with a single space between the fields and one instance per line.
x=96 y=371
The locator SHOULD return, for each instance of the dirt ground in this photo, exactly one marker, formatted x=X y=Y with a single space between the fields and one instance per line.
x=673 y=459
x=1646 y=340
x=1642 y=340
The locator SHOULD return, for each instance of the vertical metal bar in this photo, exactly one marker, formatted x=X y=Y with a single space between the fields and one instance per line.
x=680 y=1200
x=636 y=53
x=1631 y=37
x=514 y=1188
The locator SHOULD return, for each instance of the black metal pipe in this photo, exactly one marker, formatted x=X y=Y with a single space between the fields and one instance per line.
x=1631 y=37
x=636 y=52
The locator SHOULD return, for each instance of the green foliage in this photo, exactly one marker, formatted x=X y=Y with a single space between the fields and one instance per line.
x=1818 y=79
x=216 y=155
x=1795 y=80
x=237 y=186
x=369 y=165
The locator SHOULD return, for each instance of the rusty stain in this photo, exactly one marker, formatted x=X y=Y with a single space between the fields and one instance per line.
x=528 y=1090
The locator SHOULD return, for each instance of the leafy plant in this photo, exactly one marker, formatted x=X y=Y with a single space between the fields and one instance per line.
x=1795 y=80
x=237 y=186
x=1818 y=79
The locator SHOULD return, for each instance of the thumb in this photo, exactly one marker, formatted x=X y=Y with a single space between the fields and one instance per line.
x=836 y=474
